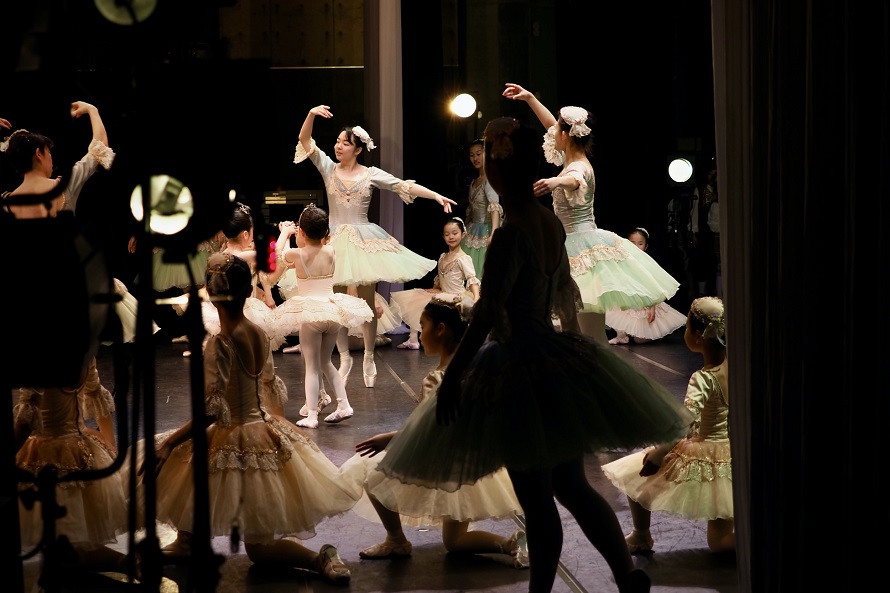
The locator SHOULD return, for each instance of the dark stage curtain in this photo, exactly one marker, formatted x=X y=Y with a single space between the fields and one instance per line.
x=802 y=109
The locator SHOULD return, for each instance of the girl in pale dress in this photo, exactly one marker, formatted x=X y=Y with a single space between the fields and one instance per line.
x=648 y=323
x=366 y=253
x=274 y=483
x=317 y=313
x=456 y=278
x=395 y=503
x=691 y=477
x=484 y=212
x=609 y=270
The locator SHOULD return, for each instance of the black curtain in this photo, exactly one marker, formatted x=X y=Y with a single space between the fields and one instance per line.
x=801 y=103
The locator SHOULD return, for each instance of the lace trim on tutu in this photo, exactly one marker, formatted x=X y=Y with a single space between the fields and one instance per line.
x=81 y=460
x=103 y=155
x=230 y=458
x=704 y=464
x=588 y=258
x=368 y=246
x=218 y=407
x=300 y=154
x=476 y=242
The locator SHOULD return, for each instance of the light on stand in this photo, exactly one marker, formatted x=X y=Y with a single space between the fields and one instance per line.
x=680 y=170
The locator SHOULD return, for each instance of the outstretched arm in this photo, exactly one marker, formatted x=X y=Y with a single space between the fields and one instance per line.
x=424 y=192
x=4 y=123
x=79 y=108
x=516 y=92
x=306 y=130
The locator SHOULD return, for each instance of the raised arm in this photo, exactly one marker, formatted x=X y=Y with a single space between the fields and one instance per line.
x=306 y=130
x=79 y=108
x=516 y=92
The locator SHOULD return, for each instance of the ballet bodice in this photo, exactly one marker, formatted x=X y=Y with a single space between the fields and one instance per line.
x=233 y=392
x=575 y=209
x=456 y=276
x=483 y=200
x=348 y=200
x=708 y=400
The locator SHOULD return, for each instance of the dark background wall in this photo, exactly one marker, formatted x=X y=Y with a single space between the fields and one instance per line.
x=221 y=88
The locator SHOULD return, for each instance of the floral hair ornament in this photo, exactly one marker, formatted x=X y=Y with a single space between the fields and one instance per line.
x=709 y=311
x=217 y=266
x=552 y=155
x=575 y=117
x=4 y=145
x=244 y=208
x=365 y=137
x=462 y=303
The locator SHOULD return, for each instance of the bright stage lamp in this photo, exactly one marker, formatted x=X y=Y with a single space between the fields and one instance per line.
x=680 y=170
x=463 y=105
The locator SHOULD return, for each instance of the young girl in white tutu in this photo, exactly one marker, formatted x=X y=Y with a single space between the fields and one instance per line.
x=456 y=277
x=691 y=477
x=648 y=323
x=395 y=503
x=316 y=312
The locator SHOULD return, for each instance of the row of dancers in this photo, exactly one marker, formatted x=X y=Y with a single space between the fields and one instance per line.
x=510 y=348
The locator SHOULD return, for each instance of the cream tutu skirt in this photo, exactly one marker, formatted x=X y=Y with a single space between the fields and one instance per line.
x=475 y=244
x=367 y=254
x=613 y=273
x=96 y=510
x=411 y=303
x=694 y=481
x=264 y=476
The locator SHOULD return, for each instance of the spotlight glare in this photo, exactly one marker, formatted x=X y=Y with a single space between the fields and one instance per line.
x=463 y=105
x=680 y=170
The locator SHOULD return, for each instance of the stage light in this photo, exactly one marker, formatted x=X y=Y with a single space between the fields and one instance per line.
x=171 y=202
x=126 y=12
x=463 y=105
x=680 y=170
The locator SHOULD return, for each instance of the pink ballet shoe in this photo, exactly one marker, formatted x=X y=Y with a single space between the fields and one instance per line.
x=409 y=345
x=324 y=400
x=369 y=368
x=291 y=349
x=619 y=340
x=308 y=422
x=331 y=567
x=518 y=548
x=638 y=544
x=339 y=415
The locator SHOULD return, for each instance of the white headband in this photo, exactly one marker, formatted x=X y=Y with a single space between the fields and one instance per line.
x=365 y=137
x=575 y=117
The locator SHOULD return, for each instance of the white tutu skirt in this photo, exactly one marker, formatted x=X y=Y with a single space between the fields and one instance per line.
x=257 y=312
x=411 y=303
x=694 y=480
x=635 y=322
x=389 y=317
x=367 y=254
x=613 y=273
x=491 y=497
x=264 y=476
x=96 y=510
x=338 y=307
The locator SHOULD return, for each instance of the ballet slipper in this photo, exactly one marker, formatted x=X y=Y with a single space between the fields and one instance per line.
x=369 y=368
x=331 y=567
x=386 y=549
x=324 y=400
x=339 y=415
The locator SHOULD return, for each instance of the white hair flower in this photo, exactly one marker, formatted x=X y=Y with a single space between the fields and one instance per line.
x=553 y=155
x=709 y=310
x=575 y=117
x=365 y=137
